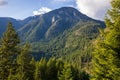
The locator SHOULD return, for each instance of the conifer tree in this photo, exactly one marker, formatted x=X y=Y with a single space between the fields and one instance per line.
x=23 y=60
x=8 y=51
x=66 y=73
x=51 y=69
x=32 y=68
x=106 y=58
x=40 y=71
x=60 y=66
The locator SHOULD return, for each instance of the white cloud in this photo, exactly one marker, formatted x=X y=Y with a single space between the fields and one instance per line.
x=93 y=8
x=42 y=10
x=2 y=2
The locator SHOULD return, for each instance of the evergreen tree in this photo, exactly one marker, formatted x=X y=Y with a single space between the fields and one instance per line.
x=33 y=67
x=8 y=51
x=40 y=72
x=23 y=60
x=106 y=58
x=59 y=65
x=51 y=69
x=66 y=73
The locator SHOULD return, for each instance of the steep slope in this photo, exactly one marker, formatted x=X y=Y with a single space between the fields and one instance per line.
x=64 y=32
x=50 y=25
x=72 y=39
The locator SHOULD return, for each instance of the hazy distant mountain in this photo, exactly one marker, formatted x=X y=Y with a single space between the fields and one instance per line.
x=4 y=21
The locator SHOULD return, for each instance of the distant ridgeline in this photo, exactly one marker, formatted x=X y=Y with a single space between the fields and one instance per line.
x=63 y=32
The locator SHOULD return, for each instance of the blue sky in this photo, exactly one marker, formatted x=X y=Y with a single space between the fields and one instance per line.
x=21 y=9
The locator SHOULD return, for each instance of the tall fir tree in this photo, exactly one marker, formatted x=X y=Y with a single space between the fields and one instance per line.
x=66 y=73
x=51 y=70
x=8 y=51
x=106 y=57
x=40 y=71
x=32 y=68
x=25 y=67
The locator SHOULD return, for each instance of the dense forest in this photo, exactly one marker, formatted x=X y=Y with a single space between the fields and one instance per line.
x=87 y=51
x=16 y=62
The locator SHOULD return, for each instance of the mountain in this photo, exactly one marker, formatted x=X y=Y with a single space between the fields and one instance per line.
x=51 y=24
x=17 y=23
x=4 y=21
x=63 y=32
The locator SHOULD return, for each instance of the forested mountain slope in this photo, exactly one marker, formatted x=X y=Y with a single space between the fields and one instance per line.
x=64 y=32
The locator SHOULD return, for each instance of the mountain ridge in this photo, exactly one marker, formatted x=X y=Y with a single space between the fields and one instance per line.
x=53 y=23
x=63 y=31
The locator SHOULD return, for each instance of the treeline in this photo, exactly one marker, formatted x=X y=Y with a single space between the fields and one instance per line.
x=16 y=63
x=71 y=45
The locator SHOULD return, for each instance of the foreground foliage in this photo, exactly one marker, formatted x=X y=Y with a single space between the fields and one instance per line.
x=16 y=63
x=106 y=59
x=8 y=51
